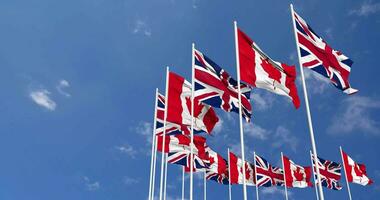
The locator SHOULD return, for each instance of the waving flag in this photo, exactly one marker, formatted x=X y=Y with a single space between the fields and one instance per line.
x=317 y=55
x=178 y=149
x=179 y=106
x=258 y=70
x=267 y=175
x=171 y=128
x=355 y=172
x=330 y=173
x=236 y=167
x=296 y=175
x=215 y=87
x=217 y=168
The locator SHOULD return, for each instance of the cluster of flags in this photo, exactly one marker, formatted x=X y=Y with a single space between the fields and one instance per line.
x=187 y=110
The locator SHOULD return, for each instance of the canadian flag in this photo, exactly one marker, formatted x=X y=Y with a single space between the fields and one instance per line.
x=296 y=175
x=179 y=107
x=181 y=142
x=258 y=70
x=355 y=172
x=217 y=164
x=236 y=171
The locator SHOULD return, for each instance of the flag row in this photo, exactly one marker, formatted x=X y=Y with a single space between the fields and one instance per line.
x=259 y=172
x=187 y=108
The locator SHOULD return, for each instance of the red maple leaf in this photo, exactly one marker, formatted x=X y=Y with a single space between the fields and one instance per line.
x=298 y=174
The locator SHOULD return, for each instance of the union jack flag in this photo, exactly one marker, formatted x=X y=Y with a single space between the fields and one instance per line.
x=215 y=87
x=268 y=175
x=219 y=178
x=330 y=173
x=317 y=55
x=183 y=158
x=179 y=152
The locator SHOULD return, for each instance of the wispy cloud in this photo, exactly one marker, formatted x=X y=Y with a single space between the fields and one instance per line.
x=255 y=131
x=262 y=100
x=130 y=181
x=218 y=127
x=91 y=186
x=355 y=114
x=145 y=129
x=141 y=27
x=61 y=86
x=328 y=33
x=317 y=83
x=127 y=149
x=273 y=191
x=366 y=8
x=283 y=137
x=41 y=97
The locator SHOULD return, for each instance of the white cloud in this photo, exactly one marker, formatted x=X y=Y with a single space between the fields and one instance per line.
x=145 y=129
x=315 y=82
x=91 y=186
x=255 y=131
x=127 y=149
x=41 y=98
x=262 y=101
x=366 y=8
x=141 y=27
x=355 y=114
x=130 y=180
x=61 y=86
x=273 y=191
x=283 y=137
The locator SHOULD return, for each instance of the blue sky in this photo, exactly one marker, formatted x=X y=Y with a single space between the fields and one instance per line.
x=78 y=80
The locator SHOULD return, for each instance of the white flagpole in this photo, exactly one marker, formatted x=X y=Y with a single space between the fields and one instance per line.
x=229 y=175
x=283 y=168
x=204 y=186
x=154 y=168
x=315 y=181
x=152 y=173
x=257 y=187
x=183 y=182
x=314 y=148
x=164 y=134
x=192 y=121
x=166 y=175
x=345 y=174
x=240 y=109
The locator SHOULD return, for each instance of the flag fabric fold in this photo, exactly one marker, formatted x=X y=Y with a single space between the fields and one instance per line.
x=178 y=149
x=171 y=128
x=296 y=175
x=236 y=171
x=259 y=70
x=215 y=87
x=217 y=167
x=268 y=175
x=355 y=172
x=318 y=56
x=330 y=173
x=179 y=107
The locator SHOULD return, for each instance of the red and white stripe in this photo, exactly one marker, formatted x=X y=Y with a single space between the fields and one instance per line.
x=356 y=173
x=259 y=70
x=296 y=175
x=236 y=171
x=179 y=106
